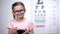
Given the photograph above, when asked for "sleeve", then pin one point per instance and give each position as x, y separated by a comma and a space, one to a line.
10, 25
31, 25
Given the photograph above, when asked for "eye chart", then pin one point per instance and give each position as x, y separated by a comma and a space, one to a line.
45, 14
44, 9
40, 16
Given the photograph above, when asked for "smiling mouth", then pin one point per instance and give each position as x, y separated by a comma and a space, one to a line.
19, 14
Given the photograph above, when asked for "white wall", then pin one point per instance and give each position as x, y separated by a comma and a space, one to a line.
6, 15
59, 16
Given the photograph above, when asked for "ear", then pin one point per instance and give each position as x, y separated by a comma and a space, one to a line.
25, 10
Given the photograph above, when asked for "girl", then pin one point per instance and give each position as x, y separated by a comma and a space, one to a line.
18, 11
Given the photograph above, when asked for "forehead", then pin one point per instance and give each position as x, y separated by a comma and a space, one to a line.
18, 7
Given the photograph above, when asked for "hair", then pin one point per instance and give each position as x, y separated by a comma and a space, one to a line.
15, 4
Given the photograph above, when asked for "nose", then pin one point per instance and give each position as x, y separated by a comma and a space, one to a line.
19, 12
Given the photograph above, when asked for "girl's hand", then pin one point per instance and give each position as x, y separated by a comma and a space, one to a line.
14, 30
26, 32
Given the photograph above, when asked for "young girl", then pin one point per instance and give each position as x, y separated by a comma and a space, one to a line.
19, 22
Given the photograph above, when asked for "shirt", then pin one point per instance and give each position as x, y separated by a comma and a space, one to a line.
25, 24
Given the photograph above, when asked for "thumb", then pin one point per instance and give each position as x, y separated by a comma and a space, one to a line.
15, 28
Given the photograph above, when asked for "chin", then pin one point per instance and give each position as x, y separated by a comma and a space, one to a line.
20, 17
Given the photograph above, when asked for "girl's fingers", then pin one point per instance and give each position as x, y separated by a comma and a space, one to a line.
25, 32
14, 30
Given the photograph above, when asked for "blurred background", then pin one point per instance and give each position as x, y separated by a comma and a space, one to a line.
44, 13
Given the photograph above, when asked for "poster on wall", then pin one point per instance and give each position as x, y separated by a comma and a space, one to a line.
39, 13
44, 11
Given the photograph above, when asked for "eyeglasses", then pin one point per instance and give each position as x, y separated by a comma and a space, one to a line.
22, 10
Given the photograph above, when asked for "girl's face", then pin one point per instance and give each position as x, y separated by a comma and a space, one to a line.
19, 11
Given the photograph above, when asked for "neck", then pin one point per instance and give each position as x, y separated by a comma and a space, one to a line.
19, 19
